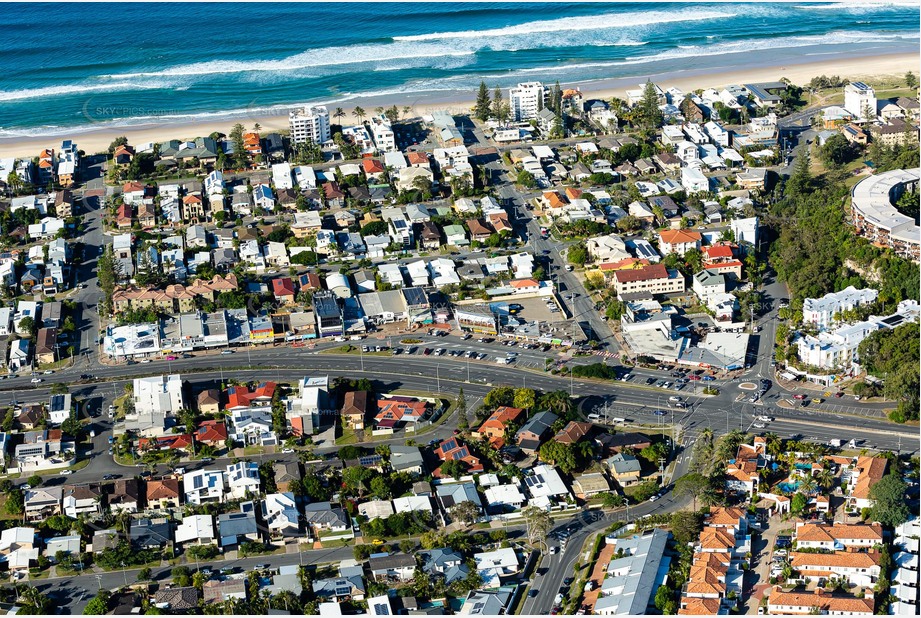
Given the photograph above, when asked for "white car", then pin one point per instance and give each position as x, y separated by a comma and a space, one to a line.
287, 450
36, 380
66, 472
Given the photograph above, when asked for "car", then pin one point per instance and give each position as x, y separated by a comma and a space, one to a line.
36, 380
759, 425
466, 336
223, 352
653, 498
207, 459
66, 472
799, 397
110, 477
145, 361
568, 581
817, 400
227, 570
659, 412
533, 592
554, 549
675, 399
694, 378
263, 566
172, 358
47, 372
708, 378
839, 395
427, 352
761, 610
287, 450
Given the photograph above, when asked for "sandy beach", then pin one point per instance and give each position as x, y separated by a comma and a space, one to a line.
97, 140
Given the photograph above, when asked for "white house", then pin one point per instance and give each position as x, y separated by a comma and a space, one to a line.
204, 486
196, 530
693, 180
493, 565
243, 477
279, 512
281, 176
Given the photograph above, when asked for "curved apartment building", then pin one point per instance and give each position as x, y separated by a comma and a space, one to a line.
876, 219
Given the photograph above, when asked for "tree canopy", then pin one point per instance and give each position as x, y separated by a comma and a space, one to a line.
889, 508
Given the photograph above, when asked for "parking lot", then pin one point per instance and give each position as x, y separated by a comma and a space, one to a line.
536, 309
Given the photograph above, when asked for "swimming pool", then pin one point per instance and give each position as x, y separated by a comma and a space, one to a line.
787, 487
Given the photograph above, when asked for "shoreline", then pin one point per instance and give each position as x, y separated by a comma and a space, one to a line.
96, 140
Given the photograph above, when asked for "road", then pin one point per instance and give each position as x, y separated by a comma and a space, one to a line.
626, 400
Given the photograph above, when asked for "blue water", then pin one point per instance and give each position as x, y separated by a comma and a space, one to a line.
786, 487
72, 65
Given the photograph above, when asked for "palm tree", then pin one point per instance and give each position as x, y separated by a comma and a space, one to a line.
773, 444
807, 485
825, 478
407, 110
339, 113
257, 127
358, 112
379, 111
585, 449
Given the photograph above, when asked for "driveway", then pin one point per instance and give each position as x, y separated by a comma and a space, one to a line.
757, 578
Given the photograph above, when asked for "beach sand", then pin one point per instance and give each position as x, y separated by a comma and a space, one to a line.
93, 141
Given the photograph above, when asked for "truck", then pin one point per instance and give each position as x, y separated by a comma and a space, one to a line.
835, 442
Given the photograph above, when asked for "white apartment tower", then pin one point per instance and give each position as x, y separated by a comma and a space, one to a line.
857, 98
384, 139
310, 124
526, 100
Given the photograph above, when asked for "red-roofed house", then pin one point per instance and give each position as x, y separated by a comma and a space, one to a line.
418, 159
310, 282
573, 193
123, 155
493, 428
678, 241
499, 221
391, 412
239, 397
524, 286
213, 433
714, 254
454, 449
124, 216
173, 442
372, 168
283, 289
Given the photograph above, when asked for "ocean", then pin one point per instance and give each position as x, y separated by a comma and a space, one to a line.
73, 66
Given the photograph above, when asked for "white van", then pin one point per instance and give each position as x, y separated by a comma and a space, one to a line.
594, 417
503, 360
